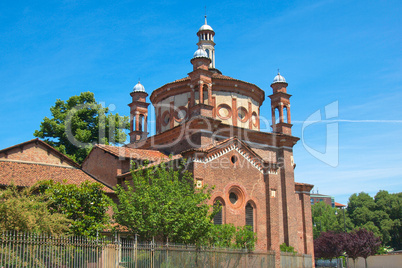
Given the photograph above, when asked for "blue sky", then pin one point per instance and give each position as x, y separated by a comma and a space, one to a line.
347, 52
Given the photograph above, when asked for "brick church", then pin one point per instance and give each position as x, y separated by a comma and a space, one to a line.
213, 121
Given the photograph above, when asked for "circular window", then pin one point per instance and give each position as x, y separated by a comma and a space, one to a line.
242, 114
180, 113
224, 111
233, 198
165, 118
236, 197
233, 159
254, 118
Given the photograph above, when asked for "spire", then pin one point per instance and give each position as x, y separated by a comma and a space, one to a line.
206, 15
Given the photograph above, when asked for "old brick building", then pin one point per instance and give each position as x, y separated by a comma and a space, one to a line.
213, 121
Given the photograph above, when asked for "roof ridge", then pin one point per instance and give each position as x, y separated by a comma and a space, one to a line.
36, 163
37, 140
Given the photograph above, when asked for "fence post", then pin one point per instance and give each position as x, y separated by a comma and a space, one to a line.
152, 252
167, 251
116, 254
135, 250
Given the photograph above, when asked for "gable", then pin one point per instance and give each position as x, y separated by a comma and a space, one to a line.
227, 147
36, 151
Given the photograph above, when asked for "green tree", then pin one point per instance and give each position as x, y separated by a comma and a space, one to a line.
162, 202
78, 123
326, 218
391, 227
382, 215
22, 210
86, 205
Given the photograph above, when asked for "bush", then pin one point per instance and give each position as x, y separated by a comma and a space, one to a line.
285, 248
228, 236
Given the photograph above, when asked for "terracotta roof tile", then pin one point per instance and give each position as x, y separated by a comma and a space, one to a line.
339, 205
158, 162
213, 145
27, 174
126, 152
225, 77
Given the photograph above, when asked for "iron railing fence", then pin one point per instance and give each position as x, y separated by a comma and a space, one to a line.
44, 251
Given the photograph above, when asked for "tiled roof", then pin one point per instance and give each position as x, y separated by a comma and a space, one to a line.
225, 143
157, 162
132, 153
213, 145
177, 81
27, 174
339, 205
225, 77
182, 79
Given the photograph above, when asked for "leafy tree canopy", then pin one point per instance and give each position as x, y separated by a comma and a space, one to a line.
78, 123
329, 245
326, 218
86, 205
24, 211
382, 215
162, 202
361, 243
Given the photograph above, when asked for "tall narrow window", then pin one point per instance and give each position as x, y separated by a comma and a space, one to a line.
277, 119
285, 114
250, 215
141, 123
218, 218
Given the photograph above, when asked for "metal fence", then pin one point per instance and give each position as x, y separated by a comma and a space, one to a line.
31, 250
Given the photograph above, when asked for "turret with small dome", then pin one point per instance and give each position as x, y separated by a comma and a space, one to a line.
280, 106
206, 41
138, 113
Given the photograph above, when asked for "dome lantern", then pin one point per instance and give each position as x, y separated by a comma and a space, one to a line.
138, 87
279, 79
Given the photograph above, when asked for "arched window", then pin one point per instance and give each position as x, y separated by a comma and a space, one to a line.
134, 126
141, 122
276, 115
250, 215
285, 114
218, 218
207, 50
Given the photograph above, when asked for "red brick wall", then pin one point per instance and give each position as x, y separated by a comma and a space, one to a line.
244, 177
102, 166
34, 153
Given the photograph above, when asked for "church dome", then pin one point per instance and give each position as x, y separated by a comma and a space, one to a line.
279, 79
138, 88
200, 53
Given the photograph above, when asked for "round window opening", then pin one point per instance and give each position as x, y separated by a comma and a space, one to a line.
242, 114
233, 159
233, 198
181, 114
166, 119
